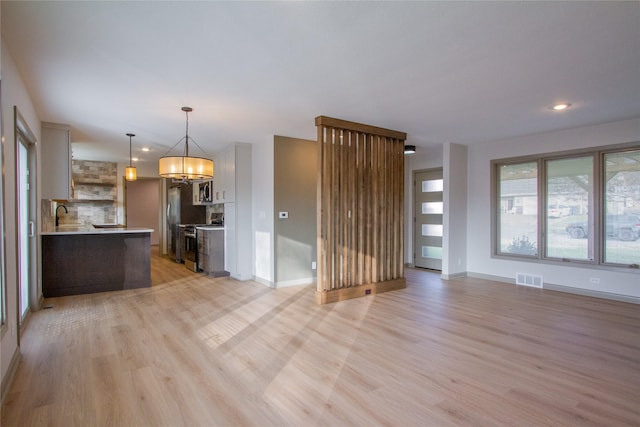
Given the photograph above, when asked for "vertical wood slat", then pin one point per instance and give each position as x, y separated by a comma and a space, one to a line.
376, 202
352, 210
368, 146
344, 195
391, 212
334, 209
320, 230
360, 217
328, 146
360, 206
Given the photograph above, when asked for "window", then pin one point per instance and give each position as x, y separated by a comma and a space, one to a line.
3, 281
579, 207
569, 194
518, 209
622, 207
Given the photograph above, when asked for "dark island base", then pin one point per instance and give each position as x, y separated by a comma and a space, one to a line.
74, 264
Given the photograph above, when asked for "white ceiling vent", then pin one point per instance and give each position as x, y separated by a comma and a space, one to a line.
532, 280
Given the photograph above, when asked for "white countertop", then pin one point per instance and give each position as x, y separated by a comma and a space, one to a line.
210, 227
83, 229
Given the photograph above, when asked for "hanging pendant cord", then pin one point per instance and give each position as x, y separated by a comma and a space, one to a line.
186, 145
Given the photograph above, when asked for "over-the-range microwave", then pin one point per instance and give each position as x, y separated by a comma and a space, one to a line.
205, 191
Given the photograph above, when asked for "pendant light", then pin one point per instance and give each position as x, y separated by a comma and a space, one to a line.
130, 173
185, 168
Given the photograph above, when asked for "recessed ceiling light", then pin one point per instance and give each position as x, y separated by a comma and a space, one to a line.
145, 148
560, 106
135, 159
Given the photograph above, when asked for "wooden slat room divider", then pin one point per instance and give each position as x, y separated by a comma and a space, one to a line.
360, 210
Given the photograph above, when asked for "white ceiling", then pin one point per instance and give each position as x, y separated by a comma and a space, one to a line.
464, 72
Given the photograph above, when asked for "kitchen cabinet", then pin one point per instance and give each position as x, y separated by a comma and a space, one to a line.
217, 188
56, 170
85, 261
231, 168
211, 257
237, 211
229, 174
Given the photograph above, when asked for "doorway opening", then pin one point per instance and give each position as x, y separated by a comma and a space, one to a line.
142, 206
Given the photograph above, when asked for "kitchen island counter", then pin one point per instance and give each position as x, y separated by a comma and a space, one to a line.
81, 229
85, 260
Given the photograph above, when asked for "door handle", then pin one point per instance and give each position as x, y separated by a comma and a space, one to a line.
32, 228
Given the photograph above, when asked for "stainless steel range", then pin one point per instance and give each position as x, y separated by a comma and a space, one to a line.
190, 246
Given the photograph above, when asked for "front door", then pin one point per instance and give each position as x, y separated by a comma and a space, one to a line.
428, 187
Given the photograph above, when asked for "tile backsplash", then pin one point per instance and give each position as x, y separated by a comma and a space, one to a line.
95, 195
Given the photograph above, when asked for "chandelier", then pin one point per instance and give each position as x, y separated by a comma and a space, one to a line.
130, 173
185, 168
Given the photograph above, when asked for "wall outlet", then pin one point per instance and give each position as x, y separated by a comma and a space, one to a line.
283, 215
313, 265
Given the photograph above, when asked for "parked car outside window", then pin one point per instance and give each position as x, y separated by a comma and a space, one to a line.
623, 227
558, 211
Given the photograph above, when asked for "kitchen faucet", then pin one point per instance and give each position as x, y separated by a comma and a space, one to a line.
65, 211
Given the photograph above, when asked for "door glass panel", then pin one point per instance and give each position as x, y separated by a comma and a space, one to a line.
432, 230
432, 185
432, 252
432, 208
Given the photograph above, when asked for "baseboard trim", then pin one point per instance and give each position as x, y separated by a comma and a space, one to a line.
453, 276
563, 288
491, 277
328, 297
265, 282
242, 277
297, 282
590, 293
11, 372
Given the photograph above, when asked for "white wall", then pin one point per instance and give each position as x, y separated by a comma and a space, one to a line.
479, 259
15, 93
454, 221
263, 194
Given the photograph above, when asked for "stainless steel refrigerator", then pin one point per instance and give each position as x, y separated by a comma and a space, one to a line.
180, 210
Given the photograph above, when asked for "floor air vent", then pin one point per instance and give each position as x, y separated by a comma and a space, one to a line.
529, 280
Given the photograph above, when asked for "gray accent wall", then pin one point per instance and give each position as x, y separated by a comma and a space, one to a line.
295, 175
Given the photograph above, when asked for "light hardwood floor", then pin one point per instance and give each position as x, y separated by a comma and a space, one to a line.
198, 351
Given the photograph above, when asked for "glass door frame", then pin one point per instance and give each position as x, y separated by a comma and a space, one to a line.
24, 136
426, 262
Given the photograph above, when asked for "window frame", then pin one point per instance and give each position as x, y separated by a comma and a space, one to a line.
598, 217
3, 277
